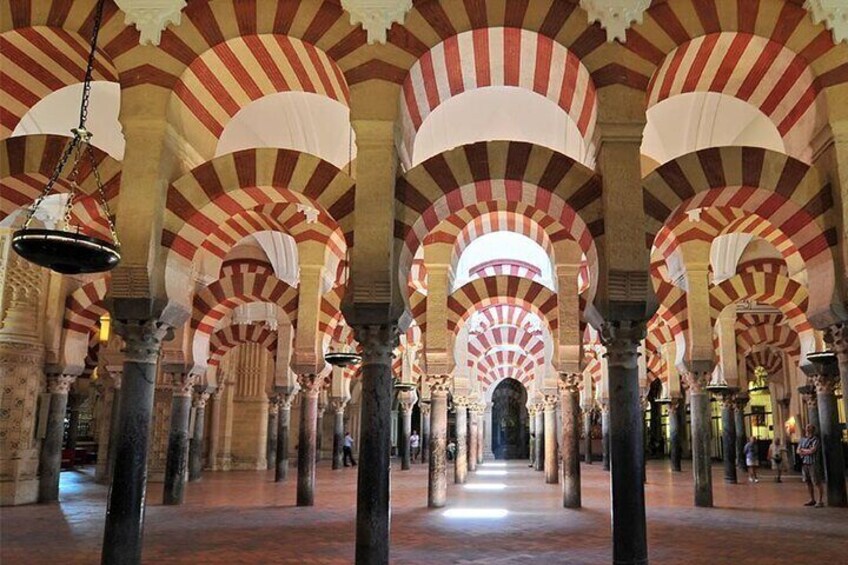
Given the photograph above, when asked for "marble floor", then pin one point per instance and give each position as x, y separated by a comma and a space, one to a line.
505, 514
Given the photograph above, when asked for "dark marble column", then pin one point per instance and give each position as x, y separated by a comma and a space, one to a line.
337, 407
176, 462
122, 538
837, 337
406, 399
310, 388
473, 436
741, 435
629, 533
373, 479
437, 485
587, 432
699, 406
50, 460
271, 436
281, 472
539, 457
460, 461
481, 432
319, 425
728, 436
74, 401
195, 448
569, 388
551, 463
676, 413
424, 409
114, 424
810, 400
531, 415
604, 405
831, 436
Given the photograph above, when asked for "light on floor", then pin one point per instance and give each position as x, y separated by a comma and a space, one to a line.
485, 486
485, 513
491, 472
494, 464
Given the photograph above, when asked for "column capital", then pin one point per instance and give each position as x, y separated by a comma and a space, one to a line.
183, 383
604, 405
461, 401
728, 399
695, 381
570, 382
837, 337
531, 409
337, 405
550, 402
378, 343
200, 399
142, 339
439, 384
622, 339
674, 405
60, 384
286, 399
310, 384
407, 399
741, 400
825, 384
424, 407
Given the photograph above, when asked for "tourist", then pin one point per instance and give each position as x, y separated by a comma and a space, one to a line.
415, 446
348, 450
778, 456
451, 450
808, 449
752, 459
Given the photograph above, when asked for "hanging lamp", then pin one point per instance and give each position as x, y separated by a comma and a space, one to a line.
69, 251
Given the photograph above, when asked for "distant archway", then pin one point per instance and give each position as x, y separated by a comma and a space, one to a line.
510, 422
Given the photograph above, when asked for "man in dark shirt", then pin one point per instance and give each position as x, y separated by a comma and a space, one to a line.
808, 449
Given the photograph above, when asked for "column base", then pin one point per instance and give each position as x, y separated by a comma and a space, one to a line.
22, 487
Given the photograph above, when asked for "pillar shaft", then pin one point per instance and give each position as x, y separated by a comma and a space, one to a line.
728, 437
741, 435
629, 539
281, 472
570, 394
551, 463
473, 438
50, 460
831, 439
373, 478
176, 463
407, 399
461, 458
195, 448
424, 407
438, 479
531, 414
481, 434
271, 438
837, 337
122, 539
338, 406
539, 447
310, 386
699, 406
605, 434
587, 434
676, 410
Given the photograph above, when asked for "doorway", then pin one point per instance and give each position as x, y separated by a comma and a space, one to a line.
510, 422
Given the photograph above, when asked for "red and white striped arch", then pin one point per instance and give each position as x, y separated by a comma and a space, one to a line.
232, 336
84, 307
763, 265
767, 358
491, 378
789, 194
39, 60
234, 73
753, 330
498, 291
531, 343
762, 72
594, 368
497, 56
498, 358
783, 293
566, 192
498, 315
673, 307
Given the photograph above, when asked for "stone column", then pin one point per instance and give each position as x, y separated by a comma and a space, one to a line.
319, 425
604, 406
195, 448
271, 440
810, 400
108, 427
337, 407
676, 412
587, 432
488, 433
218, 401
837, 337
741, 435
699, 406
281, 471
569, 388
50, 462
406, 399
437, 485
473, 437
831, 437
539, 457
481, 432
551, 463
122, 538
629, 539
728, 436
460, 461
531, 414
424, 409
74, 401
310, 389
373, 478
177, 457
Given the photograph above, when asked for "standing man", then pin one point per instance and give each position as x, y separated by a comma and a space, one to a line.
808, 449
348, 450
415, 445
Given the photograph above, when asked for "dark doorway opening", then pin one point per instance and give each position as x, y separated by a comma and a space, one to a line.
510, 422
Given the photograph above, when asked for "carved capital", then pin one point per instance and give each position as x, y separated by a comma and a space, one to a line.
622, 339
60, 384
615, 16
603, 405
695, 381
151, 17
570, 383
439, 384
461, 401
825, 384
285, 400
378, 343
728, 399
183, 383
377, 16
836, 336
407, 400
337, 405
142, 339
310, 385
550, 402
200, 400
674, 405
424, 407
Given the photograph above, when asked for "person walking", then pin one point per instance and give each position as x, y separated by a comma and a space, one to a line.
415, 446
752, 459
808, 449
778, 456
347, 449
